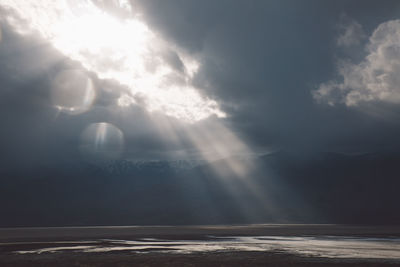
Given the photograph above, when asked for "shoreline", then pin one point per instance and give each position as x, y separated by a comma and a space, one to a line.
191, 232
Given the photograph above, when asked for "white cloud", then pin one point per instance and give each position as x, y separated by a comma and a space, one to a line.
375, 79
351, 32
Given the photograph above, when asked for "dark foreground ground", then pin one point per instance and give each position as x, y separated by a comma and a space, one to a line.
119, 259
23, 239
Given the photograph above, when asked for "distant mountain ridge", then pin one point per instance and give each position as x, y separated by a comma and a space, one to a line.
285, 188
120, 167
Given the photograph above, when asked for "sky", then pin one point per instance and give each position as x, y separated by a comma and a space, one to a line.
196, 80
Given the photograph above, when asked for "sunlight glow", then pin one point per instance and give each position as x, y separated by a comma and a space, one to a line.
119, 48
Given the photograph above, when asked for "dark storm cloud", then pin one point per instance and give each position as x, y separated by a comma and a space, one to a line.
173, 59
259, 59
24, 108
263, 59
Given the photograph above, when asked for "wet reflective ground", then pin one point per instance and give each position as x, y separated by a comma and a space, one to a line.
325, 246
314, 245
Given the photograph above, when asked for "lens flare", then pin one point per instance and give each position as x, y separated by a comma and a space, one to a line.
102, 141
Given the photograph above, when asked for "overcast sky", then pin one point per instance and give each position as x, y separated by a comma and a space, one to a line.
295, 75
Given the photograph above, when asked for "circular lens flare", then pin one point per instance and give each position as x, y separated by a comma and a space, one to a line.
102, 141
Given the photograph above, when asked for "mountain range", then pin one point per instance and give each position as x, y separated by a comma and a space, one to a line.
284, 188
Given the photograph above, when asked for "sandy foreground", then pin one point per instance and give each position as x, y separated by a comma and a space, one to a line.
249, 245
